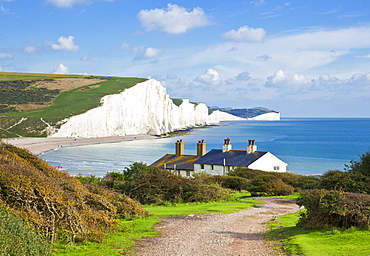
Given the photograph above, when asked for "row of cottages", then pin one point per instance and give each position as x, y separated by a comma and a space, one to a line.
219, 161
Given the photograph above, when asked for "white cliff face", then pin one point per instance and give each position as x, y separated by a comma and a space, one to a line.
217, 116
267, 117
145, 108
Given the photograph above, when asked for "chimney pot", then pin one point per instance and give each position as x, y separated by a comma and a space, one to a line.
179, 148
251, 148
227, 146
201, 148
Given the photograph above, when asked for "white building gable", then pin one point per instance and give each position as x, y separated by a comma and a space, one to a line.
269, 163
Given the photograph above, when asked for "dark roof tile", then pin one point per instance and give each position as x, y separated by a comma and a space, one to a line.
232, 158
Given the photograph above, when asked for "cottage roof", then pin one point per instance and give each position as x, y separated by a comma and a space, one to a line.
183, 162
232, 158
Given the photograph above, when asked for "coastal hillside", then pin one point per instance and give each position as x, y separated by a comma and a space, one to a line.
32, 104
37, 105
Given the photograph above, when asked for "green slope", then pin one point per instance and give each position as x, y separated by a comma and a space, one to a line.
66, 104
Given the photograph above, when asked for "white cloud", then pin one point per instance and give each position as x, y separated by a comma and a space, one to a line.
65, 44
29, 49
61, 69
66, 3
210, 77
147, 53
245, 34
5, 55
173, 20
360, 79
69, 3
288, 82
301, 52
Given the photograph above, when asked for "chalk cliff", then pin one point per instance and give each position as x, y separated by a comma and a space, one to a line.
272, 116
145, 108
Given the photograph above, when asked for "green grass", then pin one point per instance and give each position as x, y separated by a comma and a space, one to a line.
120, 242
12, 76
66, 104
296, 241
79, 100
242, 201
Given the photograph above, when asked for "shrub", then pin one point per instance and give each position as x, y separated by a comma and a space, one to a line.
297, 181
20, 238
360, 167
58, 205
345, 181
334, 209
263, 183
269, 185
230, 182
154, 185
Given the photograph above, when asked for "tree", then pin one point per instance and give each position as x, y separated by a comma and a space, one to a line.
360, 167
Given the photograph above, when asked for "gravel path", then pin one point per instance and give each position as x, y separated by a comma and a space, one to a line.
240, 233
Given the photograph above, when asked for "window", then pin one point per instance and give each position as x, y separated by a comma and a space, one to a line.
276, 168
187, 173
178, 172
212, 167
202, 166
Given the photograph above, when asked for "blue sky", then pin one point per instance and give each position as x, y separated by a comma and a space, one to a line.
302, 58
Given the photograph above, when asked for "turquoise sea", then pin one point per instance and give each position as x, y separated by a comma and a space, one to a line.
308, 145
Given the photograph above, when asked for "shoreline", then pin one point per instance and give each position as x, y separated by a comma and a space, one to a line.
39, 146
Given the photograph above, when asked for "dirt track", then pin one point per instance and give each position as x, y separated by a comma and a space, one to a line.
240, 233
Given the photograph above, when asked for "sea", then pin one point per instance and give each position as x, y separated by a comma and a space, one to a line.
309, 145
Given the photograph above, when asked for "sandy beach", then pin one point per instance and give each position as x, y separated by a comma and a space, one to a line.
41, 145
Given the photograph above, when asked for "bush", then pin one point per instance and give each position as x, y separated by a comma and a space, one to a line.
230, 182
344, 181
299, 182
263, 183
154, 185
20, 238
360, 167
57, 204
334, 209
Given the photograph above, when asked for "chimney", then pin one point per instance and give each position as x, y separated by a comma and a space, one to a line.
179, 148
251, 148
201, 148
227, 146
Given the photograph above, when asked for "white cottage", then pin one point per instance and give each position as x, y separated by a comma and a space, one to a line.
220, 162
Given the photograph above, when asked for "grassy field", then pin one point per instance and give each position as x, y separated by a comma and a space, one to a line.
115, 244
67, 103
295, 241
10, 76
79, 100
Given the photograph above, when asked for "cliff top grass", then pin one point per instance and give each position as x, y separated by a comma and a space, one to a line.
73, 96
28, 100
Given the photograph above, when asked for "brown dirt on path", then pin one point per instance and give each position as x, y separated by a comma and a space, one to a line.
240, 233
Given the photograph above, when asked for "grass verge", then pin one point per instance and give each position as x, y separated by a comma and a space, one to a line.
296, 241
79, 100
117, 243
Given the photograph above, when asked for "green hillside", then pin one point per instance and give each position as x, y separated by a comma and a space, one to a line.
29, 101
